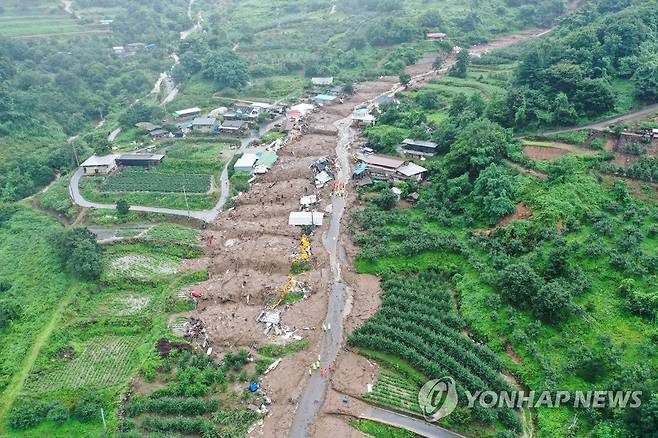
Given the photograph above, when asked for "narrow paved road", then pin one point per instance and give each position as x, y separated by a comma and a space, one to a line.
203, 215
602, 124
418, 427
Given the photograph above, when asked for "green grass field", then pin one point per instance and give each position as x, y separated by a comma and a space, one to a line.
99, 341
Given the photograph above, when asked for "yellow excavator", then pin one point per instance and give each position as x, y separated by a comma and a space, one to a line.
304, 256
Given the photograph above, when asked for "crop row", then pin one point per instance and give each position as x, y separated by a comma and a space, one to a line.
183, 425
140, 181
417, 323
171, 405
104, 363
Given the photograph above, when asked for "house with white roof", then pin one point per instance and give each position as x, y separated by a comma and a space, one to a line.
96, 165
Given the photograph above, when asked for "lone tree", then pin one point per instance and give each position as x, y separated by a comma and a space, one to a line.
122, 207
461, 65
405, 78
386, 200
99, 143
79, 252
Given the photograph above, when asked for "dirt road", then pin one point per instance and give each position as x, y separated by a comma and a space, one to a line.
197, 26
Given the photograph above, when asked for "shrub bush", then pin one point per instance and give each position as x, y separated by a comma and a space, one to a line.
88, 407
27, 413
58, 413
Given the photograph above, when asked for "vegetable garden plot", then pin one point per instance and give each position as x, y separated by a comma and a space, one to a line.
141, 267
133, 181
393, 390
124, 304
102, 362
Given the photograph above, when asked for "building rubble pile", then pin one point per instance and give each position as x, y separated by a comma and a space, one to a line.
196, 332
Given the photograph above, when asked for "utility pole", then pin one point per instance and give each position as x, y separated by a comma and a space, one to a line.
186, 203
75, 153
104, 423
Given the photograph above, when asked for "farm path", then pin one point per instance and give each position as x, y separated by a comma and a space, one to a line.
16, 384
602, 124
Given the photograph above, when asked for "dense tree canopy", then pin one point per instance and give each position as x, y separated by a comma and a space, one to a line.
493, 191
480, 144
79, 252
226, 68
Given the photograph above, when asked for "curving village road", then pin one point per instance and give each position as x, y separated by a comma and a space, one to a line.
202, 215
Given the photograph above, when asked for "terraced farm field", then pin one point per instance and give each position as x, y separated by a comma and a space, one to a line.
103, 362
19, 19
395, 391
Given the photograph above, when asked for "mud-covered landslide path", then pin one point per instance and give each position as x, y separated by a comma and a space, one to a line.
314, 394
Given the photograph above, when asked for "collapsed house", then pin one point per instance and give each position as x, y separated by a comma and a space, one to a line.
323, 172
307, 201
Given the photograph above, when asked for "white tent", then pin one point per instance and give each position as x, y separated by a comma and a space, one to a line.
305, 201
300, 218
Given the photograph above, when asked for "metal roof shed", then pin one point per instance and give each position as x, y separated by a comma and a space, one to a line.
95, 160
382, 161
267, 159
411, 169
325, 98
245, 163
188, 112
302, 218
204, 121
412, 142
